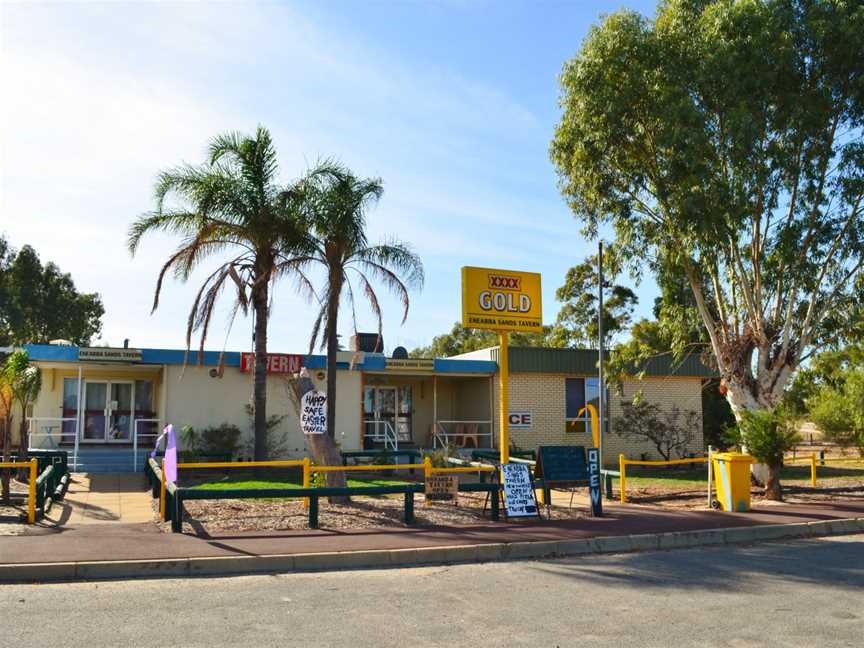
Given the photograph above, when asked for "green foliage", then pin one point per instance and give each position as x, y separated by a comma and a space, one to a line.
576, 324
717, 416
721, 143
826, 369
232, 207
189, 444
671, 431
220, 440
767, 435
40, 303
463, 340
276, 444
440, 457
839, 410
333, 204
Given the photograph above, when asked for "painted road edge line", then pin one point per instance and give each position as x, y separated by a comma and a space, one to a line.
415, 557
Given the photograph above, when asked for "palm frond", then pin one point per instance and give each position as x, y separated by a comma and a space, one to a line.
373, 299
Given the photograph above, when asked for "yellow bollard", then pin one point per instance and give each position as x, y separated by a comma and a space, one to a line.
31, 498
162, 493
622, 480
813, 470
306, 480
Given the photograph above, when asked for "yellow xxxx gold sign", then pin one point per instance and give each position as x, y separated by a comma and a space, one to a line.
501, 300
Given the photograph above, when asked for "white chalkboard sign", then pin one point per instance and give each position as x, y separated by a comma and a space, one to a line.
519, 500
313, 412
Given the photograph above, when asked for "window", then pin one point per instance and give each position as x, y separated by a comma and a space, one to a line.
70, 405
578, 392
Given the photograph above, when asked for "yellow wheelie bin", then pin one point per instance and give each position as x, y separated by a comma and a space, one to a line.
732, 479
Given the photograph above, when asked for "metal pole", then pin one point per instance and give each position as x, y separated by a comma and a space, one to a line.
710, 474
601, 410
79, 414
504, 396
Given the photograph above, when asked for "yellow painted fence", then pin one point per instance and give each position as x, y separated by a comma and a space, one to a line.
31, 492
623, 462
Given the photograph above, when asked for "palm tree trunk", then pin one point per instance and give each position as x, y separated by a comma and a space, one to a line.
5, 475
259, 302
332, 347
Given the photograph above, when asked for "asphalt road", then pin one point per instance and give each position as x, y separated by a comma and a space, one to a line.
797, 593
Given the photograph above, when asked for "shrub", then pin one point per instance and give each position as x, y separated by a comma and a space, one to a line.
767, 435
222, 440
646, 421
839, 411
276, 441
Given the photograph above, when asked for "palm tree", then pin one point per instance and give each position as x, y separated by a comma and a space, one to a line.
230, 207
336, 203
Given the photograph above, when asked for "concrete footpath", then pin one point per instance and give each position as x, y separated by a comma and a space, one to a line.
138, 550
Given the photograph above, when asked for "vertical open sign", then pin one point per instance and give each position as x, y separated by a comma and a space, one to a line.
594, 482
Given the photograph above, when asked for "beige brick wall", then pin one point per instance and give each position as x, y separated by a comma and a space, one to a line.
543, 395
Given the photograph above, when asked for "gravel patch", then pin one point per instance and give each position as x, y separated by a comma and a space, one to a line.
207, 516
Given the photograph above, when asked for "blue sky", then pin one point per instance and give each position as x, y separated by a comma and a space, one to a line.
452, 103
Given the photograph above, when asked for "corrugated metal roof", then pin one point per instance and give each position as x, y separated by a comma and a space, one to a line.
584, 361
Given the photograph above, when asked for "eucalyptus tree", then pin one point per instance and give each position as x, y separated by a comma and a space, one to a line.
722, 140
335, 205
231, 210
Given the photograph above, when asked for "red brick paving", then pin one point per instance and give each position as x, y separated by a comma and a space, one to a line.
145, 542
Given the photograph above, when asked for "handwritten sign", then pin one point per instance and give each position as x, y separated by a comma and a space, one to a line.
313, 412
594, 482
518, 491
442, 487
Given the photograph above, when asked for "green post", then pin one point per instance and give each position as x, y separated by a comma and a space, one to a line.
608, 482
821, 457
313, 511
496, 509
176, 511
409, 507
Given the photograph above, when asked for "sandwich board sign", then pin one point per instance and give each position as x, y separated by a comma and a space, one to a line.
313, 412
519, 500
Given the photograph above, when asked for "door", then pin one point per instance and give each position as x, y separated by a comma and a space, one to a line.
120, 412
95, 411
385, 413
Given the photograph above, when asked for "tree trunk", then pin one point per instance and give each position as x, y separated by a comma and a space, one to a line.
259, 300
773, 490
324, 450
6, 475
23, 445
332, 348
749, 394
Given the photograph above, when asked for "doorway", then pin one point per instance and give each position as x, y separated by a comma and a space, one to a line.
387, 412
107, 415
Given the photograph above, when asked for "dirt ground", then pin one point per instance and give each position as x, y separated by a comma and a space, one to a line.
207, 516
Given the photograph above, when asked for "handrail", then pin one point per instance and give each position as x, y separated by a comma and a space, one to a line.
390, 437
135, 436
50, 435
440, 434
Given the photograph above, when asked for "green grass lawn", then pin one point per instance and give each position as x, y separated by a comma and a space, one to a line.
227, 484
